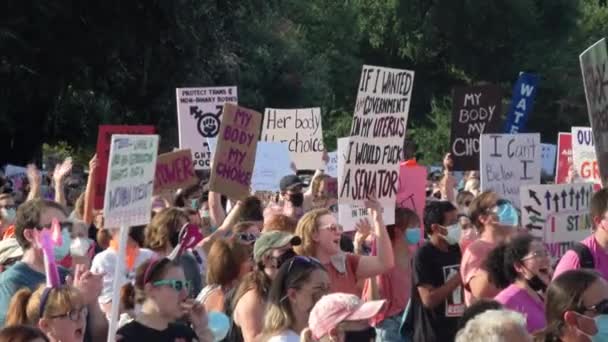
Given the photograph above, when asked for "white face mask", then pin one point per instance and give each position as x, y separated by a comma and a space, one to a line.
453, 236
80, 246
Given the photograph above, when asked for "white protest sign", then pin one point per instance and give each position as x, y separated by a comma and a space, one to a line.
548, 155
199, 111
301, 130
350, 214
558, 214
331, 168
128, 198
376, 137
130, 181
509, 161
584, 159
272, 162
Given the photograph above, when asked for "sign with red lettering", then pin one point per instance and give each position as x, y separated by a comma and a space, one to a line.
234, 156
558, 214
564, 157
301, 130
583, 156
104, 140
476, 110
174, 170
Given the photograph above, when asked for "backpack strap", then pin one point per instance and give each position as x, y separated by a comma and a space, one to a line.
584, 255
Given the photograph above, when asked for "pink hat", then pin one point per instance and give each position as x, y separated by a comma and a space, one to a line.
335, 308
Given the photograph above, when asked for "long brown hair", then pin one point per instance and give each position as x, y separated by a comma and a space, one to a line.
306, 228
21, 333
24, 307
159, 230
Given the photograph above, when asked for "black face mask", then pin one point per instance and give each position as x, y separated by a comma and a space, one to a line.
285, 256
296, 199
536, 284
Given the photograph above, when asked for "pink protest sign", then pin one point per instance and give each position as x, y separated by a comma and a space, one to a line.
412, 187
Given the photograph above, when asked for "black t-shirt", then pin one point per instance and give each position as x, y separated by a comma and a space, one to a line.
433, 267
135, 331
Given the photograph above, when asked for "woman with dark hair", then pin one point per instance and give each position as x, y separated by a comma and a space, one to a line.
526, 272
22, 333
299, 284
576, 308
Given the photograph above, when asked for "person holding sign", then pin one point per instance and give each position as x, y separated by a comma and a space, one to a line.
593, 251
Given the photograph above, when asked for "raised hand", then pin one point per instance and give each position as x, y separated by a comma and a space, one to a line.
62, 170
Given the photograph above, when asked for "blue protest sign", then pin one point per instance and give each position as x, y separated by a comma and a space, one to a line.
522, 103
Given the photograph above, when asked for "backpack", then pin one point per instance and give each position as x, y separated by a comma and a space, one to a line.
584, 255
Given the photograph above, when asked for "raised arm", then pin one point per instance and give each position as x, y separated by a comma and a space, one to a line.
61, 171
370, 266
33, 176
89, 194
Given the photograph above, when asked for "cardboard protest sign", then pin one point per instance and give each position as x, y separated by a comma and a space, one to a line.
16, 174
509, 161
594, 66
377, 133
104, 139
412, 190
331, 168
564, 157
584, 158
174, 170
130, 180
476, 110
548, 154
235, 152
272, 162
522, 103
558, 214
350, 214
199, 111
301, 130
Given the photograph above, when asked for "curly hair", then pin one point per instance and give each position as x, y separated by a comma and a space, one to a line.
306, 228
158, 231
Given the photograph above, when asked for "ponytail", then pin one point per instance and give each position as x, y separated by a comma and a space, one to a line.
17, 309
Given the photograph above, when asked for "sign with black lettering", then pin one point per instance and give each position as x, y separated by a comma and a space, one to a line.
301, 130
509, 161
376, 137
198, 115
558, 214
594, 65
476, 110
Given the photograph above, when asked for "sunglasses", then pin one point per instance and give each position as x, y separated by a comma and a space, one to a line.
64, 225
7, 207
177, 285
247, 238
334, 228
599, 308
74, 315
536, 254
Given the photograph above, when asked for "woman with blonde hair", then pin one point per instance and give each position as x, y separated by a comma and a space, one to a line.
299, 284
59, 312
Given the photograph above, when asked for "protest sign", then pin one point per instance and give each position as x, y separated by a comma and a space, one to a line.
350, 214
16, 174
376, 137
476, 110
522, 103
548, 154
564, 157
584, 158
174, 171
412, 190
301, 130
104, 139
558, 214
272, 162
594, 66
509, 161
199, 111
130, 180
235, 152
331, 168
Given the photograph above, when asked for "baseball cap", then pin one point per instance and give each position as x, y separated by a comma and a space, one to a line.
9, 249
335, 308
289, 182
272, 240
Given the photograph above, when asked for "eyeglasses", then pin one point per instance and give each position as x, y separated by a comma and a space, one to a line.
8, 207
175, 284
536, 254
599, 308
247, 238
74, 315
334, 228
69, 225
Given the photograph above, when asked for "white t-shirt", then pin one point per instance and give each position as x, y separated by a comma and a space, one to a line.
287, 336
105, 262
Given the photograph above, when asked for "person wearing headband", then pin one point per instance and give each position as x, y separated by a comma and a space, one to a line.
161, 289
495, 219
59, 312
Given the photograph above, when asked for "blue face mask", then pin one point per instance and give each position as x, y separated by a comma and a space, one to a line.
412, 236
219, 324
507, 214
601, 321
63, 250
194, 204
